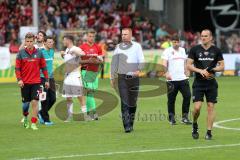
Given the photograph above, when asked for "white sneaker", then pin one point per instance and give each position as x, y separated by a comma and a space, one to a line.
34, 126
22, 120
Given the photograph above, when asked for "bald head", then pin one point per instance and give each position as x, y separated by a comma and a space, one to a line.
126, 34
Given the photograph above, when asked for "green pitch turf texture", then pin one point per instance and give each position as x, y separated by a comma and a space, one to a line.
104, 139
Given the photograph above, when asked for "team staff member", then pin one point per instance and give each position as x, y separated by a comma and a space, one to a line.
126, 64
207, 60
48, 54
90, 71
174, 59
29, 61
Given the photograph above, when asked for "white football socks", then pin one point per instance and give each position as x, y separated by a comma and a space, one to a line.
70, 109
84, 109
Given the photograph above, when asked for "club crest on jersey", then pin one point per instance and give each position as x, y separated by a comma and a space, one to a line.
206, 53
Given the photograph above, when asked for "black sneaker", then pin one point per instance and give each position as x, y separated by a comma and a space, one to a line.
95, 117
172, 121
208, 136
128, 130
195, 133
186, 121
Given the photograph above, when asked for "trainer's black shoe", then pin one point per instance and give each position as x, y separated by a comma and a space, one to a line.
172, 121
186, 121
195, 133
208, 136
128, 130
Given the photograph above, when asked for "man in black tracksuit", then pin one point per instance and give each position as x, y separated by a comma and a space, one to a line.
207, 60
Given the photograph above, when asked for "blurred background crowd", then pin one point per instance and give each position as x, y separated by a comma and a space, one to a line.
107, 17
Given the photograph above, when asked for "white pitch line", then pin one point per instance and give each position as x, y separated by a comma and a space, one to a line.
136, 151
217, 124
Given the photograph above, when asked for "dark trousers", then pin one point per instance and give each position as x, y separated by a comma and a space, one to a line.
50, 99
102, 68
173, 88
128, 89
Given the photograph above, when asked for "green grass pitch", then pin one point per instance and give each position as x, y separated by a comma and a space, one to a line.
105, 139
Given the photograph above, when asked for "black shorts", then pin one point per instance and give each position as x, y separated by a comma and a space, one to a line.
209, 88
30, 92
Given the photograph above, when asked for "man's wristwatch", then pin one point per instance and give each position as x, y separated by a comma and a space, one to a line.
210, 70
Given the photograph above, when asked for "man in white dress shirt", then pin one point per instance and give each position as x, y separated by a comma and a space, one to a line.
126, 65
174, 59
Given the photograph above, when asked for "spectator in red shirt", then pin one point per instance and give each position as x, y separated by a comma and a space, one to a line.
91, 18
126, 20
28, 11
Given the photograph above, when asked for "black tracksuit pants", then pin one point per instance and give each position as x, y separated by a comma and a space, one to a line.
50, 99
173, 88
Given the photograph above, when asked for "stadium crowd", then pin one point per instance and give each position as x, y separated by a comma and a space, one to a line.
107, 17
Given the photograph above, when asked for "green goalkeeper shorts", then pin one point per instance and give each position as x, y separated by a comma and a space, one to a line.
90, 79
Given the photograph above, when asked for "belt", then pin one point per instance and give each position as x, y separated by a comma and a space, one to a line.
127, 76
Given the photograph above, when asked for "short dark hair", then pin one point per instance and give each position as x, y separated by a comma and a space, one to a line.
70, 37
43, 33
211, 34
48, 37
29, 35
175, 38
